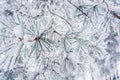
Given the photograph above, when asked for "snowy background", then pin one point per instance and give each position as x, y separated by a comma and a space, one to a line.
59, 39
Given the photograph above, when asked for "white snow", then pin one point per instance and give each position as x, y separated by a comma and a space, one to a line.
18, 31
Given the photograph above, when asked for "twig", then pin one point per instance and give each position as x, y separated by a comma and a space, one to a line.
78, 8
115, 15
61, 18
